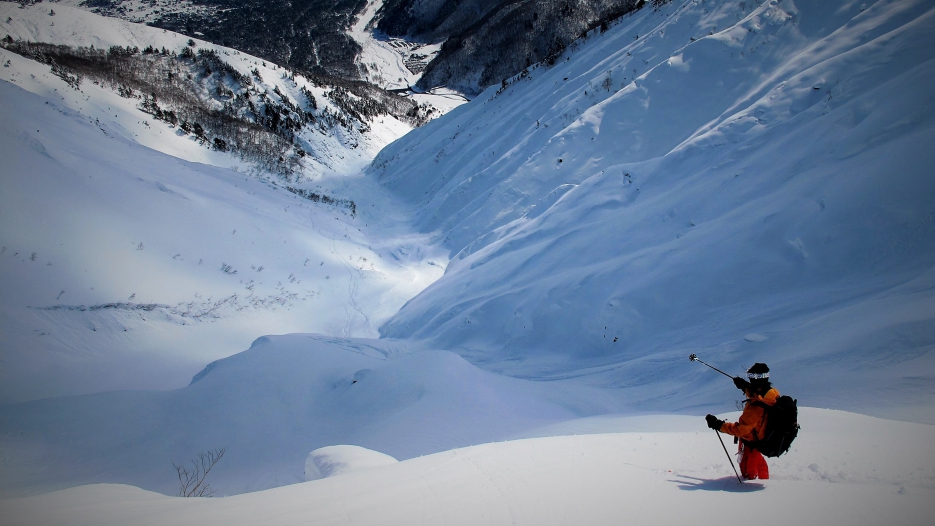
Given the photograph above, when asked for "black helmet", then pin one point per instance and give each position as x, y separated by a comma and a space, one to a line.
759, 371
759, 378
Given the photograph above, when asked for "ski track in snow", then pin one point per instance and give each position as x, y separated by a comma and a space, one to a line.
353, 285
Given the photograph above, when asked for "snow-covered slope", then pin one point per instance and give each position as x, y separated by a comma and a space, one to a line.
272, 405
132, 255
331, 461
126, 268
748, 180
849, 469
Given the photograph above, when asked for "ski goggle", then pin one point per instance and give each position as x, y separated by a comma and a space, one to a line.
757, 376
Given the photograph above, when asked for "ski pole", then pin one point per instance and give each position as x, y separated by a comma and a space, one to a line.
694, 358
740, 480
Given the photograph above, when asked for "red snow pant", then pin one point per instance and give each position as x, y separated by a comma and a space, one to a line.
752, 463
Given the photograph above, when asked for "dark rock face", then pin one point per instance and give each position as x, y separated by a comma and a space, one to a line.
491, 40
309, 35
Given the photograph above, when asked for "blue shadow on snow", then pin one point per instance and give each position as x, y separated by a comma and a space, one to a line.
722, 484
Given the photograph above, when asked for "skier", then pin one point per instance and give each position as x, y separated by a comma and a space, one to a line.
752, 424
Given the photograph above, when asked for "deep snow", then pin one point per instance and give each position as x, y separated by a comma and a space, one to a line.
273, 404
846, 469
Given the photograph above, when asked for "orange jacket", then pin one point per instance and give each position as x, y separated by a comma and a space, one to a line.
752, 424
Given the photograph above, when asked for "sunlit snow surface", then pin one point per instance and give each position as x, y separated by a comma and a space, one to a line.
131, 255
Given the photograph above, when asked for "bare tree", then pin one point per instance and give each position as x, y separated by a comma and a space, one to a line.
192, 480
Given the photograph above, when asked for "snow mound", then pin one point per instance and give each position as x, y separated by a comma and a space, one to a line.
331, 461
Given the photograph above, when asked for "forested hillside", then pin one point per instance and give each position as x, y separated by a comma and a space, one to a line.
485, 41
489, 41
308, 35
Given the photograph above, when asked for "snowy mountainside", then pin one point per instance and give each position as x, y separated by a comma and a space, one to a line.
309, 35
140, 11
392, 63
338, 138
132, 254
735, 179
127, 268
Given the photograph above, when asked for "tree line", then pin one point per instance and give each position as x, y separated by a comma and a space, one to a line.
202, 95
171, 88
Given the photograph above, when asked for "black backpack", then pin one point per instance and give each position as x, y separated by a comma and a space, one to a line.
782, 427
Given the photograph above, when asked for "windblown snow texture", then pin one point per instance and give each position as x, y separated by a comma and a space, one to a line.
697, 174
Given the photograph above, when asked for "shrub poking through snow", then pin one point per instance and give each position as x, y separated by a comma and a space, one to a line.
192, 479
322, 198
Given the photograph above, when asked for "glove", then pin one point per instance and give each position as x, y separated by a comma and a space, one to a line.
714, 423
741, 383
